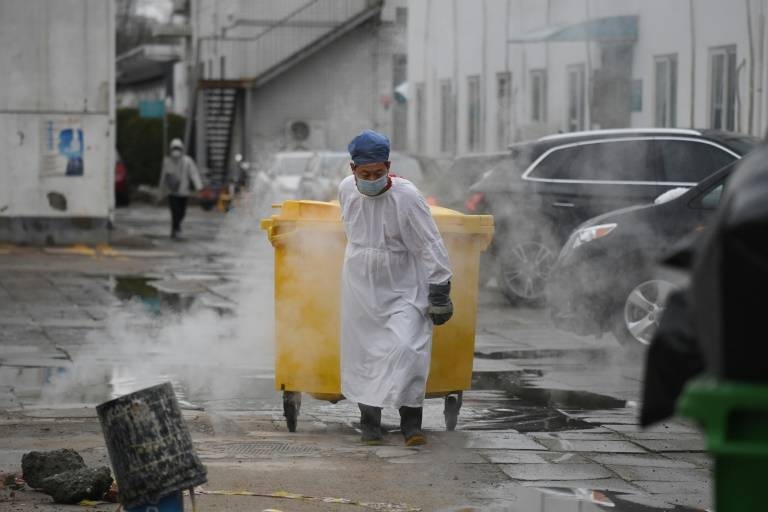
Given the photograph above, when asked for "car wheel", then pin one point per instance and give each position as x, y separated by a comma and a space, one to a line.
523, 270
637, 318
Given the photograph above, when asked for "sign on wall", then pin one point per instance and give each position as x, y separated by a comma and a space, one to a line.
63, 147
152, 109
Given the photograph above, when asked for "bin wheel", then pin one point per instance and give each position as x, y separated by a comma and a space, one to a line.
291, 406
451, 411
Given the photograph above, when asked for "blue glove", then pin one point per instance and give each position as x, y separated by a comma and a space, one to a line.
440, 306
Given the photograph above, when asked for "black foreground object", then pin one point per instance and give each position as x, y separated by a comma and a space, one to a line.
673, 358
730, 276
149, 446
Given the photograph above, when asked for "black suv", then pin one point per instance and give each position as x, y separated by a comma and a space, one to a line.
550, 186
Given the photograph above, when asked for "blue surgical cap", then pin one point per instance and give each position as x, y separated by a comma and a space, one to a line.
369, 147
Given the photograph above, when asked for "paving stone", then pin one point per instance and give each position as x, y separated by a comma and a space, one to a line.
652, 461
72, 312
23, 335
85, 322
388, 452
701, 460
633, 473
551, 472
672, 445
662, 502
654, 487
603, 484
512, 457
663, 427
693, 501
564, 458
502, 441
579, 436
663, 435
457, 457
610, 420
575, 434
576, 445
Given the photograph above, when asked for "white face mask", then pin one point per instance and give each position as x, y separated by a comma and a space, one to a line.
176, 153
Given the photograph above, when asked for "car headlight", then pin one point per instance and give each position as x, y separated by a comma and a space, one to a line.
591, 233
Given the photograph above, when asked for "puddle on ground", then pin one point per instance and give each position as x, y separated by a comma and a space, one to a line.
138, 288
177, 294
510, 402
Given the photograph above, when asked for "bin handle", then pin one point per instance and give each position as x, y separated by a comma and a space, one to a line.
711, 402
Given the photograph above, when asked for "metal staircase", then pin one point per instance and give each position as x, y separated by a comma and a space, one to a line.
219, 104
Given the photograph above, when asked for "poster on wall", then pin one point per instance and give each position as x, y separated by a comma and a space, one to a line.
63, 147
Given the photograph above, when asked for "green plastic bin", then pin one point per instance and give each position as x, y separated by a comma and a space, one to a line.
734, 416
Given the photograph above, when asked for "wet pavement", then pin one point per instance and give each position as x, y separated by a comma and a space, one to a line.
550, 424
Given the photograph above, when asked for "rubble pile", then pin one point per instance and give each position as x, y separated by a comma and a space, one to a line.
63, 475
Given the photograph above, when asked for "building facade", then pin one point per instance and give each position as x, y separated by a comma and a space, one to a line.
486, 73
57, 134
270, 76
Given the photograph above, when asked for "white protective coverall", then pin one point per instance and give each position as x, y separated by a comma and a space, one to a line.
394, 252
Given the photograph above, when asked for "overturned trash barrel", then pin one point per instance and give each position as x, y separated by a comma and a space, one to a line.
149, 446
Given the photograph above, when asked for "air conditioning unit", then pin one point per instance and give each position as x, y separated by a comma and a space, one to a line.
305, 135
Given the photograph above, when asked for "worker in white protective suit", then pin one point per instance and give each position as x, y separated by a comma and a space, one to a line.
395, 287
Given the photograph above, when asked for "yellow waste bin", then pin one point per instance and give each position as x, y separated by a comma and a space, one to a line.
309, 242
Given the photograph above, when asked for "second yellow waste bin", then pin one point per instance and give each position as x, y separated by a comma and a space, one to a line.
309, 242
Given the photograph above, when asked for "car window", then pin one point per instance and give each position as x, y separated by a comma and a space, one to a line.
601, 161
691, 161
711, 199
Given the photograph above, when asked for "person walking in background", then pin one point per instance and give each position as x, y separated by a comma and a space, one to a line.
177, 179
396, 284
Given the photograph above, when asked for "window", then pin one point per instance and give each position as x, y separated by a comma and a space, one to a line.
401, 16
666, 91
504, 109
601, 161
691, 161
447, 117
474, 115
400, 106
576, 97
539, 95
420, 101
711, 200
722, 110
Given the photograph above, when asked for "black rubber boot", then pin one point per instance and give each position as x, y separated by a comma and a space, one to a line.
410, 424
370, 424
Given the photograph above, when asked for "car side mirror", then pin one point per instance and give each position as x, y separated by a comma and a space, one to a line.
671, 194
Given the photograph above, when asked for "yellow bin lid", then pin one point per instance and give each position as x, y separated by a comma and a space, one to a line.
305, 211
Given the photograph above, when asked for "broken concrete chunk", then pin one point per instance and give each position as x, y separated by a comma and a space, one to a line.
82, 484
37, 466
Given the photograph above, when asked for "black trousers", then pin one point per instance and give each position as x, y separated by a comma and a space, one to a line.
178, 206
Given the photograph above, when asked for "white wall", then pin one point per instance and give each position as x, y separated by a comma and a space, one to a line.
58, 62
716, 23
339, 88
454, 39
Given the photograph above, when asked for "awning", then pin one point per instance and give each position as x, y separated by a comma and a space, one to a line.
146, 63
602, 30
